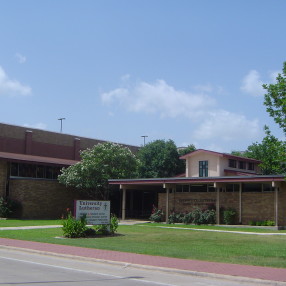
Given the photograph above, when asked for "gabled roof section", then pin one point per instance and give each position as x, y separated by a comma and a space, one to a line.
23, 158
229, 156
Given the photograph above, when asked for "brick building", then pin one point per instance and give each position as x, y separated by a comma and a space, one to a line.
211, 178
30, 161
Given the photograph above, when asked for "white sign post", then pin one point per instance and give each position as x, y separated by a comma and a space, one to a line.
96, 212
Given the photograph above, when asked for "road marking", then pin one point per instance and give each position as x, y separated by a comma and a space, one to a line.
86, 271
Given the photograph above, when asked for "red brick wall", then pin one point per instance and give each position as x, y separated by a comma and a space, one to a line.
13, 139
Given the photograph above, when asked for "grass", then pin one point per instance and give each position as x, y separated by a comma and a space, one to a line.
15, 222
180, 243
216, 227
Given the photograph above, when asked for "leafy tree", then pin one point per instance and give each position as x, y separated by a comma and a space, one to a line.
100, 163
275, 99
182, 152
159, 159
188, 149
272, 153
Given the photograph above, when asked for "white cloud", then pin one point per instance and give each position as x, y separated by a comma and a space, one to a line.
38, 125
209, 126
12, 87
20, 58
273, 75
161, 98
227, 126
252, 84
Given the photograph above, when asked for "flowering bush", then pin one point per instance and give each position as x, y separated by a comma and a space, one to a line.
156, 215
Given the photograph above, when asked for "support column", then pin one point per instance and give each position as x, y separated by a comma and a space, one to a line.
167, 204
123, 204
240, 203
216, 186
276, 213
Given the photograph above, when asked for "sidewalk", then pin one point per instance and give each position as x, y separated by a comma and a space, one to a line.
195, 267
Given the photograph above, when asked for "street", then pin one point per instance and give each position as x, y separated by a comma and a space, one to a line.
27, 268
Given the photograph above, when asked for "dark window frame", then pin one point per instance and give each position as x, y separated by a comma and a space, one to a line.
203, 168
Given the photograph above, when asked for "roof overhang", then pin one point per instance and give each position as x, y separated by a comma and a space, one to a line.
24, 158
199, 180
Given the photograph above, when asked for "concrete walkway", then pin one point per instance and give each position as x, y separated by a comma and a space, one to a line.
194, 267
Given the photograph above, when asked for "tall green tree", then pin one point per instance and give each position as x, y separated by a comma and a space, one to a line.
271, 151
183, 151
98, 164
159, 159
275, 99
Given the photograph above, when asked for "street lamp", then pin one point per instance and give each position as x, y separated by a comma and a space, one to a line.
61, 119
144, 136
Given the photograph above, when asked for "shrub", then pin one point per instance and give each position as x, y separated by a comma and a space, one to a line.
7, 206
209, 217
188, 218
270, 223
113, 224
73, 228
102, 229
229, 216
175, 218
197, 217
156, 215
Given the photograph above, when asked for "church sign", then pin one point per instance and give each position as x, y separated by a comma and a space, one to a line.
96, 212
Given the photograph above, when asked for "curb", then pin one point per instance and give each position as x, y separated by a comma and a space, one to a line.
153, 268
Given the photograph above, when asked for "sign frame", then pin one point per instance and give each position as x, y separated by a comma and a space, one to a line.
97, 212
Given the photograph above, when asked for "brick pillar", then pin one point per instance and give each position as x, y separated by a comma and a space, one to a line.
28, 142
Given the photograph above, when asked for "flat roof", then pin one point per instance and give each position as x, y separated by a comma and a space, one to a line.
24, 158
197, 180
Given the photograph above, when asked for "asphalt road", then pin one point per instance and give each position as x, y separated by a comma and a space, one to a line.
26, 268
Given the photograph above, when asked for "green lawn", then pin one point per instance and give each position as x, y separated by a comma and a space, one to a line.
16, 222
216, 227
188, 244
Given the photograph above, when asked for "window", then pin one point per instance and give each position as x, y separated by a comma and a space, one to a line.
203, 168
252, 187
251, 166
199, 188
232, 163
34, 171
232, 188
242, 165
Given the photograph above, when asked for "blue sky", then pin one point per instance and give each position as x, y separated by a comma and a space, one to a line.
190, 71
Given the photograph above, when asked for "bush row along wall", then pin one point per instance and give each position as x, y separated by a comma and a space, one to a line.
255, 206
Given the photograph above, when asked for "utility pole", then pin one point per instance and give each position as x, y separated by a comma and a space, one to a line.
144, 136
61, 119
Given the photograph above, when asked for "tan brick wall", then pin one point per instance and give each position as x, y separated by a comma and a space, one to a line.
42, 199
3, 177
255, 206
186, 202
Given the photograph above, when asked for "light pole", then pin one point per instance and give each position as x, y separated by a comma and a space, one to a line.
61, 119
144, 136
